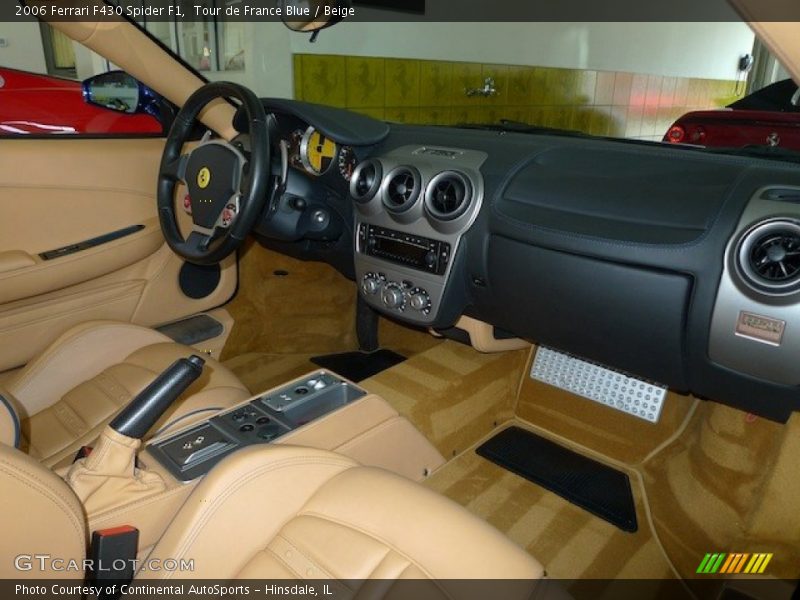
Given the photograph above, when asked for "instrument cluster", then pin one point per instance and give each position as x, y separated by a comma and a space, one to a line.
315, 154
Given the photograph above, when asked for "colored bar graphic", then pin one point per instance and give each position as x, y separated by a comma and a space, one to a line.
733, 563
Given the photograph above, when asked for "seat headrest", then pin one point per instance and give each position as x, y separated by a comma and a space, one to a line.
9, 422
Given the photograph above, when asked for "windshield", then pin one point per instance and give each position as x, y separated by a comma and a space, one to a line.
699, 84
694, 84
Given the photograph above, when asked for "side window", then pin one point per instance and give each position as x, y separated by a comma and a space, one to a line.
51, 85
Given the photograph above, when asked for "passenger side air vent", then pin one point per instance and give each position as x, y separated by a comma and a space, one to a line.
768, 256
402, 189
449, 195
366, 181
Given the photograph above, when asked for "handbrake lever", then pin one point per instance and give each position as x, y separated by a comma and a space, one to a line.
139, 416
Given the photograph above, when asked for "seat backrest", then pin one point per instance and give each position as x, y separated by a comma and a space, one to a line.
41, 519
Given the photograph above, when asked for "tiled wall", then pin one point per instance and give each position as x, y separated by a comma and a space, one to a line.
432, 92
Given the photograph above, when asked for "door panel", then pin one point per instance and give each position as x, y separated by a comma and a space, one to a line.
57, 194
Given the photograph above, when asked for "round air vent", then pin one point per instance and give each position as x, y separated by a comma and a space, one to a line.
449, 195
366, 180
768, 256
402, 188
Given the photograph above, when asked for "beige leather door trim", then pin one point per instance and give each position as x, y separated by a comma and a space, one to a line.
44, 276
26, 327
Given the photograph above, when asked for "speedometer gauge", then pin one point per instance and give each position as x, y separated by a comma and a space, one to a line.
317, 152
347, 162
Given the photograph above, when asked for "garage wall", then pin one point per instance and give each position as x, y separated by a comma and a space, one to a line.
693, 50
24, 47
615, 103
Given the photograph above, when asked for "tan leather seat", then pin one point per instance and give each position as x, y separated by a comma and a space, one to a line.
283, 512
65, 396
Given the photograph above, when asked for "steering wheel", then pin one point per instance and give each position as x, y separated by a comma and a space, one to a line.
227, 190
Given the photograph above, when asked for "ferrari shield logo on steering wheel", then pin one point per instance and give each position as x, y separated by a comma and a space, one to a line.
204, 178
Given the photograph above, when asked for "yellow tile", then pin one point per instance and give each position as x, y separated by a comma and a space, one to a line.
402, 114
464, 115
519, 114
600, 120
586, 83
402, 82
582, 119
499, 73
323, 78
561, 86
536, 116
520, 86
436, 83
365, 81
539, 94
466, 76
435, 115
297, 76
375, 113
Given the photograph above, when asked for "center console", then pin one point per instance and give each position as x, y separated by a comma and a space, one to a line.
320, 410
413, 206
192, 453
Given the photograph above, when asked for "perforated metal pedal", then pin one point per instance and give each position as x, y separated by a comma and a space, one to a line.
613, 389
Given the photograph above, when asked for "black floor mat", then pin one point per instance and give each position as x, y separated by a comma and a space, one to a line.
357, 366
601, 490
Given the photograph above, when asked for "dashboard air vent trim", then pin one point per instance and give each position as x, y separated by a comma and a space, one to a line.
448, 196
401, 189
366, 180
768, 256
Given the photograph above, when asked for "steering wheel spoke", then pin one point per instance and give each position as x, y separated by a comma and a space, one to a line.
176, 169
199, 239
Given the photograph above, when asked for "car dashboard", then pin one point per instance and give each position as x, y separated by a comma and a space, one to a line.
657, 261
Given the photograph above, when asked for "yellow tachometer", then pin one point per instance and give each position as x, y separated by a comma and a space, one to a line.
317, 152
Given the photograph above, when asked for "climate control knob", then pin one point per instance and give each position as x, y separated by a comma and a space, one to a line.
419, 300
393, 296
371, 284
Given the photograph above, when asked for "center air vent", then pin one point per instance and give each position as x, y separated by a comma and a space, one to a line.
768, 256
402, 189
448, 196
366, 180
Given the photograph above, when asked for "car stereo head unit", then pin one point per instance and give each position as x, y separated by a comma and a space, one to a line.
405, 249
